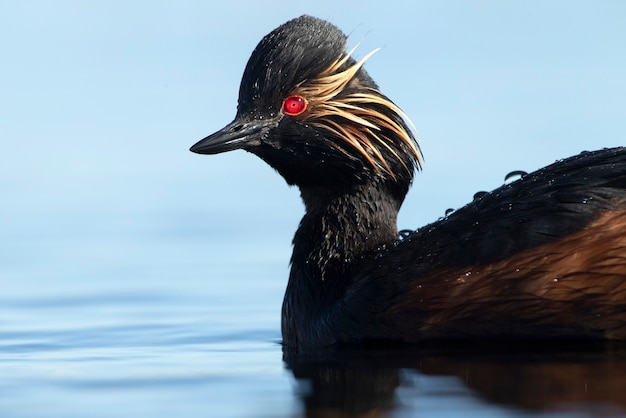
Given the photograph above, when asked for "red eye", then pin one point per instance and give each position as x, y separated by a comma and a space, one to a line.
294, 105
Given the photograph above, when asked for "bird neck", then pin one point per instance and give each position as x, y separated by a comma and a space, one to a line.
338, 229
340, 225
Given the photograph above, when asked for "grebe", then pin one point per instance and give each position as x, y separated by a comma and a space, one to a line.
543, 257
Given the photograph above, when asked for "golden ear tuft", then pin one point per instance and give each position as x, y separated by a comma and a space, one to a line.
365, 119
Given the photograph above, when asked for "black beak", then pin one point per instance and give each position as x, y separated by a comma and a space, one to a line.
233, 136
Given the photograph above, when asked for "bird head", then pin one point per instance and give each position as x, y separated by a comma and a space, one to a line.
311, 111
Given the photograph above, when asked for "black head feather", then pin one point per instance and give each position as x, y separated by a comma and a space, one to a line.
295, 51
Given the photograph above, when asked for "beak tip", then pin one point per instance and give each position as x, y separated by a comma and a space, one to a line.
236, 135
196, 148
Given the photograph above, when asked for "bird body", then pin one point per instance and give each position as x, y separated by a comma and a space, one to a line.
543, 257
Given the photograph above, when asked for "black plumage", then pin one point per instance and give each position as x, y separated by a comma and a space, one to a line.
542, 257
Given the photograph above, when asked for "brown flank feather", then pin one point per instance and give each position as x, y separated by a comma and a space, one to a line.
573, 286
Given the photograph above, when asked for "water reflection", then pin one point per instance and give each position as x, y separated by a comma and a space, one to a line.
574, 376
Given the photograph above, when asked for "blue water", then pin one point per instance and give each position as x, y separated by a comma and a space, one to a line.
159, 295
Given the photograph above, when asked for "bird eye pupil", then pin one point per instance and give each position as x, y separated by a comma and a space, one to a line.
294, 105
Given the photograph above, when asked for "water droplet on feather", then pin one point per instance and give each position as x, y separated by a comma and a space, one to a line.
479, 195
516, 173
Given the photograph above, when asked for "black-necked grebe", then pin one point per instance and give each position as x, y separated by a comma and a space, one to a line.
543, 257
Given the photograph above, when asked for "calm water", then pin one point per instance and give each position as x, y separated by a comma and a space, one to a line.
152, 296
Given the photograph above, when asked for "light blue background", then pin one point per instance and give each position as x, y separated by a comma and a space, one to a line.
100, 100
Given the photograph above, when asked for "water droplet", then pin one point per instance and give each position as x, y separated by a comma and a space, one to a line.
516, 173
505, 207
479, 195
555, 280
449, 211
